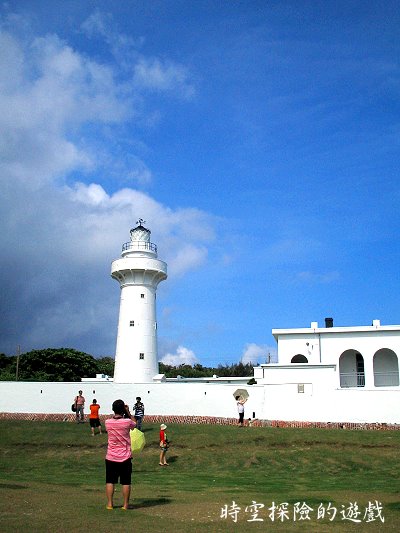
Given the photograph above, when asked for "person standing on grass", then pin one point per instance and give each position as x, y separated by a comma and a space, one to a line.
139, 412
119, 454
164, 445
240, 406
94, 419
80, 405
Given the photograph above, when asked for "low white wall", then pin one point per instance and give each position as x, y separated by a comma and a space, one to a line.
196, 399
266, 402
284, 402
321, 376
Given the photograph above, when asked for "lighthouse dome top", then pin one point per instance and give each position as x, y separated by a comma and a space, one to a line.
140, 233
140, 242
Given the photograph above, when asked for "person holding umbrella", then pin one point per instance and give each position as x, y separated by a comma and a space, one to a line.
240, 401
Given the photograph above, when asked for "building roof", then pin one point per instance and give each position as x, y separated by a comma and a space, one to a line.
376, 326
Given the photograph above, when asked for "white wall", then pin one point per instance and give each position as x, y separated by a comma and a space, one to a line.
323, 400
322, 377
159, 398
283, 401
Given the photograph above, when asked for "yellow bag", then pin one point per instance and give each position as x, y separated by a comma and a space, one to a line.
138, 440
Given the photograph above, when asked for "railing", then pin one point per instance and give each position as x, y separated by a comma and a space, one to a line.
386, 379
352, 379
357, 379
139, 245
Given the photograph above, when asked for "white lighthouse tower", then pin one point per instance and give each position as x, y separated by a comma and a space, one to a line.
139, 272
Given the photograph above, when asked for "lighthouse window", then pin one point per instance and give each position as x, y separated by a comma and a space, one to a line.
132, 323
141, 356
142, 295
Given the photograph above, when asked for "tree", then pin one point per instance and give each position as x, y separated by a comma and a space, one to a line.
105, 365
199, 371
67, 364
56, 364
7, 367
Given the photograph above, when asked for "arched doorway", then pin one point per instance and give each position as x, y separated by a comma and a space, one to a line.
386, 368
299, 358
351, 369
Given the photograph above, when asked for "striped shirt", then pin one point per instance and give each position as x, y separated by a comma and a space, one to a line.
139, 409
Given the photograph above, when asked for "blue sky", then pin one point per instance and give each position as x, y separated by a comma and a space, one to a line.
258, 140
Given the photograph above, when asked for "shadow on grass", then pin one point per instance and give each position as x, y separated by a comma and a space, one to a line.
170, 460
149, 502
12, 486
393, 505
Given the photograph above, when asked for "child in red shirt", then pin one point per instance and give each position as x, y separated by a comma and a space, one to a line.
164, 445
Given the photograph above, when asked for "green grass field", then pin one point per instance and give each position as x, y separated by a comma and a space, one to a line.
52, 480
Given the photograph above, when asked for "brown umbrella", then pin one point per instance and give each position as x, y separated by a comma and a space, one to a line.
242, 393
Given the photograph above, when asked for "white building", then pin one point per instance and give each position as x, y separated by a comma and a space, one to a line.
364, 356
334, 374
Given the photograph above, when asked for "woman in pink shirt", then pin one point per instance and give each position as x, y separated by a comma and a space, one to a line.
119, 453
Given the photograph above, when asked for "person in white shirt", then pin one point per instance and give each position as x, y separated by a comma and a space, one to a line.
240, 405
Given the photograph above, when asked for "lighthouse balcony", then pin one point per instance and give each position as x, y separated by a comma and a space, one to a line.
131, 246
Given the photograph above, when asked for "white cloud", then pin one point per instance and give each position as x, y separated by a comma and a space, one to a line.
58, 232
187, 257
255, 353
92, 194
183, 356
58, 91
73, 87
163, 76
98, 24
148, 73
123, 47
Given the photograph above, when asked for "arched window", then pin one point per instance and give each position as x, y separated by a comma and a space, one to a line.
386, 368
299, 358
351, 369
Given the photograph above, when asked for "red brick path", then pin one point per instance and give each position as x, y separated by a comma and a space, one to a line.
70, 417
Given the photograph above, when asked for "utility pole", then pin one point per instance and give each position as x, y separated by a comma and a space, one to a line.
18, 354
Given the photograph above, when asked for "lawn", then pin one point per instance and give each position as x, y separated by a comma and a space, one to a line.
52, 480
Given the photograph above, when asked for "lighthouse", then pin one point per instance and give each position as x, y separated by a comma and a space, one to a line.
138, 272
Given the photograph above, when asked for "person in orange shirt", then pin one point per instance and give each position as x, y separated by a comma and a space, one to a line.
94, 419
